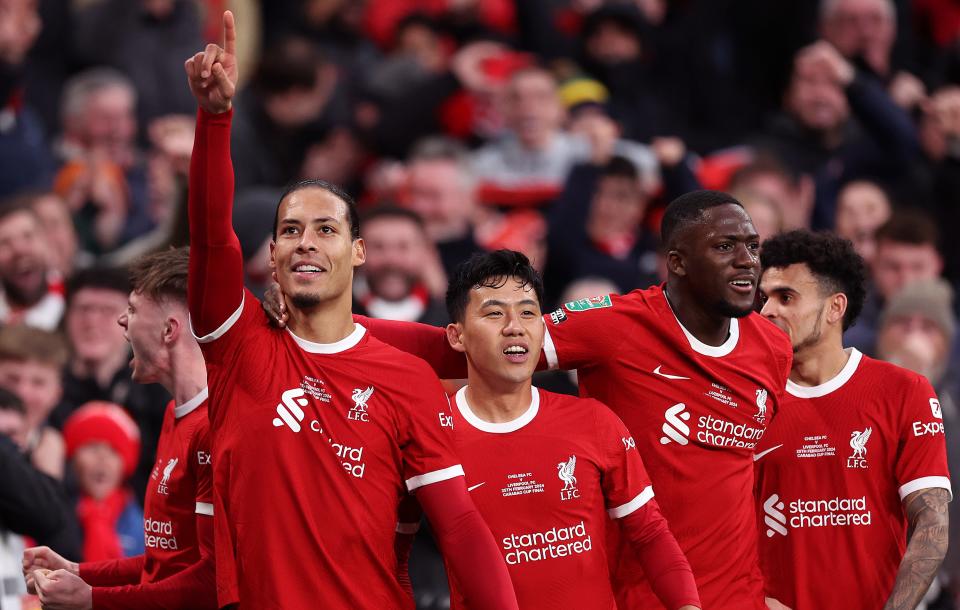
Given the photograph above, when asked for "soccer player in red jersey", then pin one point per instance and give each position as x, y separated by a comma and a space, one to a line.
547, 471
694, 374
177, 569
321, 427
857, 457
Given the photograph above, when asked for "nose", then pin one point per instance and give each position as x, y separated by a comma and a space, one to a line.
308, 242
745, 258
122, 320
512, 326
769, 309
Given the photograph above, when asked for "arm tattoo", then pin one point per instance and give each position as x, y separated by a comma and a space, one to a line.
926, 546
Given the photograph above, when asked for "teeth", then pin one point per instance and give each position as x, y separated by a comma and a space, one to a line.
515, 349
307, 268
742, 282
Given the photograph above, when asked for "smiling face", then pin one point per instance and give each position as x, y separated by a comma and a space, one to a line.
718, 257
313, 253
99, 469
501, 332
23, 271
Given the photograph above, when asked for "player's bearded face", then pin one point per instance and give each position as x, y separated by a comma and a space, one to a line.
502, 332
793, 301
313, 254
722, 260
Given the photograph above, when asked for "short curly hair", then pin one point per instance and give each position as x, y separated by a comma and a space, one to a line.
831, 259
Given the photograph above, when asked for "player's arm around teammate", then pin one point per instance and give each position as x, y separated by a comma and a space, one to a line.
926, 546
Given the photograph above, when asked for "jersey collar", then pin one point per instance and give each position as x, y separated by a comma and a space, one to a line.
829, 386
189, 406
502, 427
331, 348
714, 351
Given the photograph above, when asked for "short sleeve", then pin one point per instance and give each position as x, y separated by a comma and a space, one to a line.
584, 332
427, 438
625, 482
922, 453
202, 463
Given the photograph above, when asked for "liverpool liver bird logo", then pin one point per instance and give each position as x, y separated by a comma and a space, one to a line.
360, 398
858, 441
565, 472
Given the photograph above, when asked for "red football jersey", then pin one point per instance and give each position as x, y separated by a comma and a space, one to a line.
545, 484
697, 412
320, 441
180, 488
832, 472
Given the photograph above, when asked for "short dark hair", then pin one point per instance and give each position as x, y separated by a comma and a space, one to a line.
11, 402
831, 259
103, 278
909, 227
687, 209
389, 210
489, 270
352, 214
19, 343
162, 275
620, 167
17, 204
290, 63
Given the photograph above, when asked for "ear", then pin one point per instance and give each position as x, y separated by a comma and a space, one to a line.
172, 329
273, 259
359, 252
455, 337
837, 308
675, 263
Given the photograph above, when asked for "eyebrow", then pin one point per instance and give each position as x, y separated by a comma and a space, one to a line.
495, 302
313, 220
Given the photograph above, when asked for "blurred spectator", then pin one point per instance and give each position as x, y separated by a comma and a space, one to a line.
102, 445
253, 214
596, 228
764, 212
285, 123
402, 278
464, 17
99, 366
917, 329
441, 190
31, 361
791, 191
25, 160
862, 208
32, 293
64, 254
31, 504
838, 123
148, 41
103, 177
861, 30
906, 252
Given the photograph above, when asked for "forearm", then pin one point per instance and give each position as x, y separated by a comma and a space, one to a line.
664, 564
216, 262
113, 572
886, 122
467, 546
193, 588
926, 548
426, 342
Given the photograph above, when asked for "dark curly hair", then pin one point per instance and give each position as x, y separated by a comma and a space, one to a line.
831, 259
490, 270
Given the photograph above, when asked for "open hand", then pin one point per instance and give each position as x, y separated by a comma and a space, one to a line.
212, 75
275, 305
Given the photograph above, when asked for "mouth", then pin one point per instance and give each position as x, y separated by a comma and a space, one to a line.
516, 353
743, 285
307, 271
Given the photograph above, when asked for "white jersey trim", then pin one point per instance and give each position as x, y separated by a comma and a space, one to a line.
925, 483
714, 351
331, 348
205, 508
619, 512
501, 427
434, 477
408, 528
223, 328
549, 349
833, 384
191, 405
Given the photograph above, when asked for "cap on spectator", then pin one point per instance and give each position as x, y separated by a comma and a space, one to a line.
933, 299
578, 92
100, 421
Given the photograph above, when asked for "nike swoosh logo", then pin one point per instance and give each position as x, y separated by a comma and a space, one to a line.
472, 487
656, 371
757, 456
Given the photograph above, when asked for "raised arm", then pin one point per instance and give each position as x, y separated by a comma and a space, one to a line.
926, 547
216, 262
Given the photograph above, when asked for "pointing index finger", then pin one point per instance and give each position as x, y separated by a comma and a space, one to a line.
229, 33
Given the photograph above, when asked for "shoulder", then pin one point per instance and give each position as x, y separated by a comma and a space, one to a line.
763, 335
398, 368
890, 377
578, 412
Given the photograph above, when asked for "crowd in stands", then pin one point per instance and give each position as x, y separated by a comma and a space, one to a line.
560, 128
